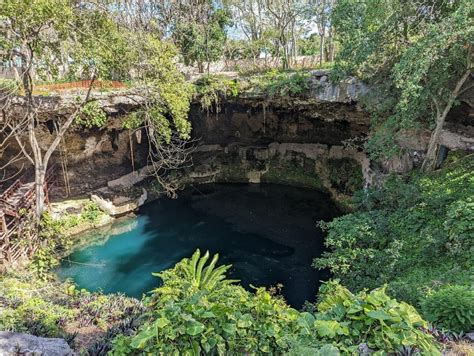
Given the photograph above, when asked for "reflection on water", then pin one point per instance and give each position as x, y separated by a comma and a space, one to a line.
267, 232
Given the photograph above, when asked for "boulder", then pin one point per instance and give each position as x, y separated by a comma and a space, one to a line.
12, 343
120, 204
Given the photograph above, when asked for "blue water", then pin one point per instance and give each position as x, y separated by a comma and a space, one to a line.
267, 232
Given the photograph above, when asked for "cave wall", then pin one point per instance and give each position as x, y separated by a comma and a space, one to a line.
293, 142
253, 138
261, 122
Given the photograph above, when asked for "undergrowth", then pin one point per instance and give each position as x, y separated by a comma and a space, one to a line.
414, 234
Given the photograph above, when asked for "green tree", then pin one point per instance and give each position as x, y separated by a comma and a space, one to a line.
37, 34
414, 235
201, 39
83, 38
423, 53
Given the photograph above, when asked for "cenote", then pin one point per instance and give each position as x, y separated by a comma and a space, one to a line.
267, 232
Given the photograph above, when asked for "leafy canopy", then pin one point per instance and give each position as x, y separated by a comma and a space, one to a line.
58, 34
202, 40
85, 39
412, 52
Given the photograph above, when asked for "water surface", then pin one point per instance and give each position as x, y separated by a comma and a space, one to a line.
267, 232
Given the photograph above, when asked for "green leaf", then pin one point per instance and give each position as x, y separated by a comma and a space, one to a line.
245, 321
140, 340
161, 322
379, 315
194, 328
229, 328
326, 328
328, 350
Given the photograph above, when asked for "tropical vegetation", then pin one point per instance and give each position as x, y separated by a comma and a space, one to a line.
401, 261
415, 235
197, 310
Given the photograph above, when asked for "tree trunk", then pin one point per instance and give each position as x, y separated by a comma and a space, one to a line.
40, 174
321, 50
430, 159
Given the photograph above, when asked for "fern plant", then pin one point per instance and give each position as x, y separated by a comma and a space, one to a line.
193, 274
208, 277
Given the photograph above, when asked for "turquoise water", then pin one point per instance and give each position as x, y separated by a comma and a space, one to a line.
267, 232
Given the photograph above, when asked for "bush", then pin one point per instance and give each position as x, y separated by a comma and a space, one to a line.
91, 212
282, 83
414, 234
91, 115
210, 89
198, 311
372, 318
54, 240
46, 308
451, 308
9, 87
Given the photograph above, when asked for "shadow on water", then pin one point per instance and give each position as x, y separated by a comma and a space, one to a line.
267, 232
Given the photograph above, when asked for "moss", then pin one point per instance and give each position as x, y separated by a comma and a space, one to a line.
293, 173
233, 173
345, 175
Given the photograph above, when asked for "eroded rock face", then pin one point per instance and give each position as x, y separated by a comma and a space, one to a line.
254, 122
24, 344
330, 168
57, 106
118, 203
251, 136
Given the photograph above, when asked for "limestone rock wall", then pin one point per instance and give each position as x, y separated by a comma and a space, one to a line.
253, 138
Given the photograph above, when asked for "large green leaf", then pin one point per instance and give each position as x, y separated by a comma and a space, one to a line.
379, 315
161, 322
194, 327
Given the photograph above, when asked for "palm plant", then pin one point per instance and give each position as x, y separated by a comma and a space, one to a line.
207, 277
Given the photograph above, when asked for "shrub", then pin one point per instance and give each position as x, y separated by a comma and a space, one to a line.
91, 212
198, 311
46, 308
373, 318
211, 88
192, 314
451, 308
459, 226
414, 234
91, 115
55, 242
52, 244
9, 86
278, 83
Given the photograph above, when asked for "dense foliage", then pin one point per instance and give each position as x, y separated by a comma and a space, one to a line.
451, 307
283, 83
420, 53
54, 239
415, 235
91, 115
202, 40
372, 318
211, 89
58, 309
197, 310
50, 40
